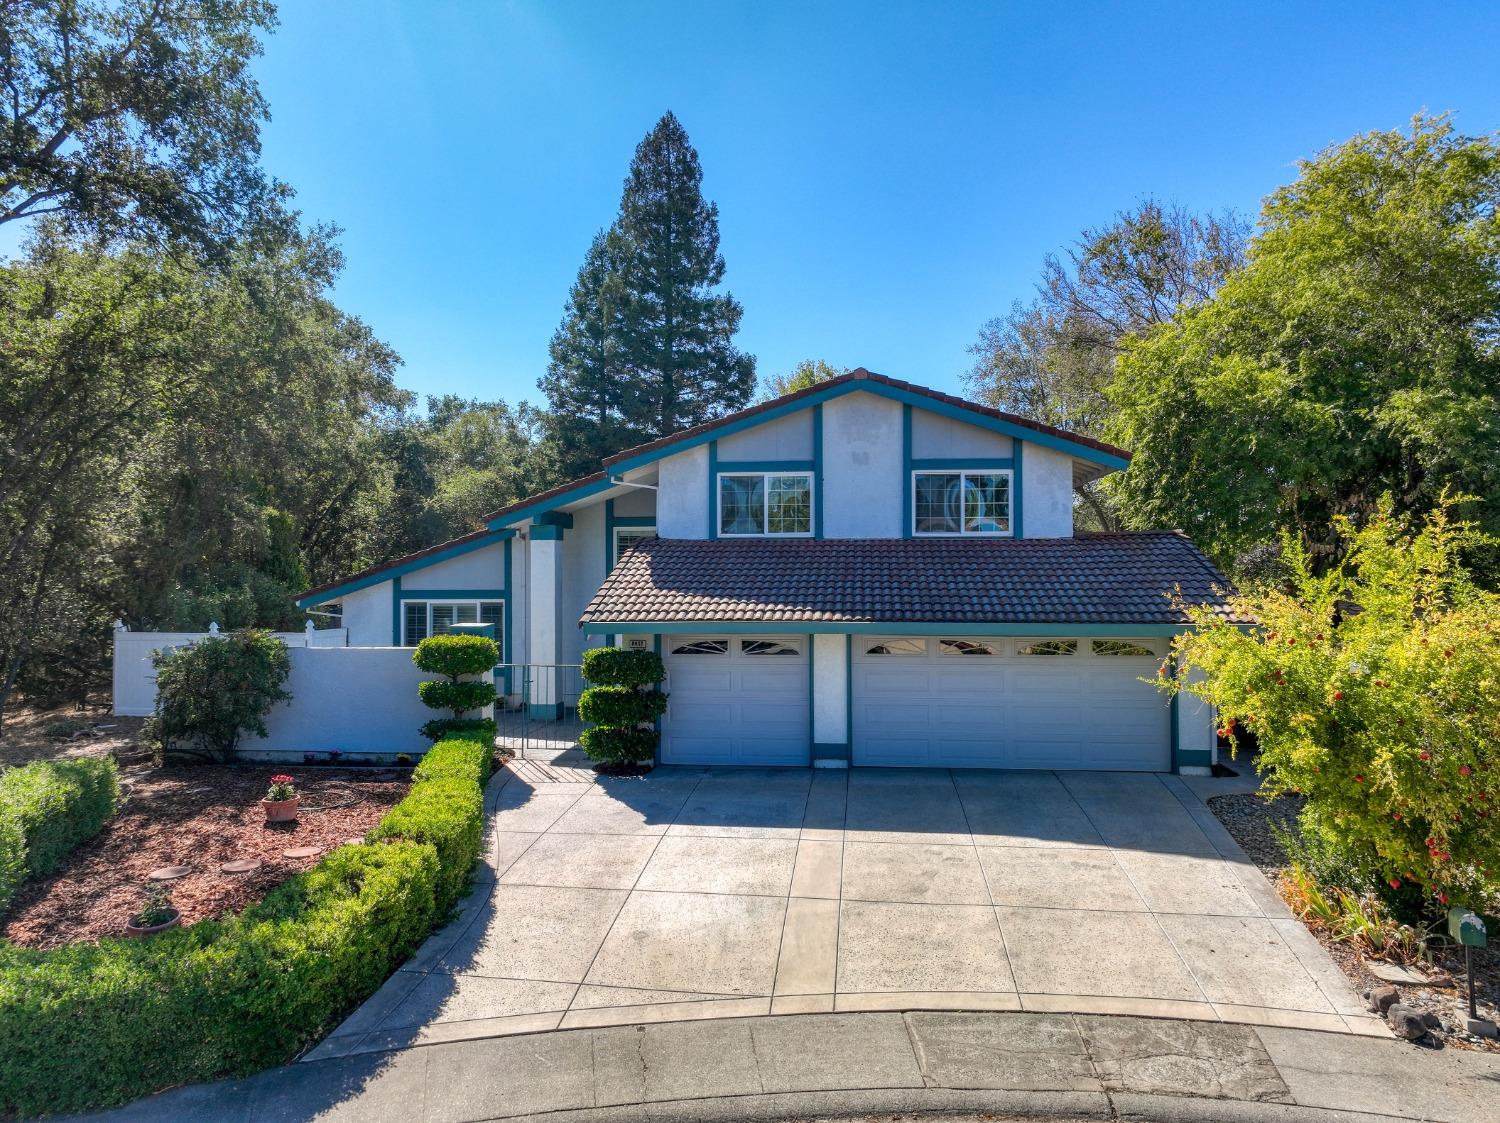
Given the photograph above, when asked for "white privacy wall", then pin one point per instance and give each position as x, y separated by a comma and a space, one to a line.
348, 699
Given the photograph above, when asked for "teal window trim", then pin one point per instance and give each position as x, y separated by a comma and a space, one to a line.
906, 470
1017, 524
778, 468
905, 397
973, 463
635, 520
451, 594
757, 467
882, 628
609, 536
396, 612
395, 572
713, 489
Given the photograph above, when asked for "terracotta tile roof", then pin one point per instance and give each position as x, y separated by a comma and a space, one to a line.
860, 374
1094, 578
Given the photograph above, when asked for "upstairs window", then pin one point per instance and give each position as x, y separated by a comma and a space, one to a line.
765, 504
628, 536
961, 502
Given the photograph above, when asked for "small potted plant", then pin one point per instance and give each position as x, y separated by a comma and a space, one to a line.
156, 915
281, 800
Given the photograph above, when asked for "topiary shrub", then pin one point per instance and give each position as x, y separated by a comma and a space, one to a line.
455, 656
209, 694
621, 709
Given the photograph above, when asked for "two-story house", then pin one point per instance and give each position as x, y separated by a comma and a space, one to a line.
865, 572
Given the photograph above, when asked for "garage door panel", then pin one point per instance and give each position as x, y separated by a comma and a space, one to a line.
1079, 711
736, 708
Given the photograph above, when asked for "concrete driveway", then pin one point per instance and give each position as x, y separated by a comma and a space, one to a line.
710, 893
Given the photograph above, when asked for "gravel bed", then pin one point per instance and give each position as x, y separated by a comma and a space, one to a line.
1250, 818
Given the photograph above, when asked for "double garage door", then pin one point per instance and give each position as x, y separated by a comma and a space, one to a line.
923, 702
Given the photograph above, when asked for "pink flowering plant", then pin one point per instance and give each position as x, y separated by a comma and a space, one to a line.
282, 788
1372, 689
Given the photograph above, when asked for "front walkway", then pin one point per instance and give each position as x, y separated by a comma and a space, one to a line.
695, 894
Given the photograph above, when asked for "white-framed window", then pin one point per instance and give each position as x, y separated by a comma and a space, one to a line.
628, 536
765, 504
423, 618
1049, 647
899, 645
768, 647
969, 647
1122, 649
961, 502
702, 647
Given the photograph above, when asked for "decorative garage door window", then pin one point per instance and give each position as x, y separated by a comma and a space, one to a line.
767, 647
1050, 647
967, 647
898, 647
423, 618
1119, 648
703, 647
961, 502
766, 504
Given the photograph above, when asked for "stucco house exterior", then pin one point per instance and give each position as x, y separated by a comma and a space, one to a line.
865, 572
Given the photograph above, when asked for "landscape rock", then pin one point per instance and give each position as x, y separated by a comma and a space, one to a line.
1381, 999
1482, 1027
1395, 973
1431, 1020
1406, 1022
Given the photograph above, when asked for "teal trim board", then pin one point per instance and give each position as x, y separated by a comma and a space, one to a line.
907, 484
505, 628
880, 389
396, 612
729, 467
656, 752
713, 489
1017, 524
849, 695
817, 468
572, 495
635, 520
547, 533
970, 463
450, 594
1172, 719
879, 628
394, 572
609, 536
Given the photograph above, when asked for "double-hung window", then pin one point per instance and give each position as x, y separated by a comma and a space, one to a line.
960, 502
628, 536
765, 503
423, 618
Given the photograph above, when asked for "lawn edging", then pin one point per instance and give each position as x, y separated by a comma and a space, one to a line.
92, 1025
47, 808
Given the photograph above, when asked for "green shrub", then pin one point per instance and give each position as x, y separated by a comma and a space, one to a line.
621, 710
90, 1025
459, 697
621, 705
619, 666
209, 694
455, 655
612, 745
466, 728
447, 814
47, 808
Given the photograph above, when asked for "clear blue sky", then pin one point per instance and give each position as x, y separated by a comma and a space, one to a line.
889, 175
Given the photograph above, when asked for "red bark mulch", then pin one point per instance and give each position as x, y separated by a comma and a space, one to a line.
199, 817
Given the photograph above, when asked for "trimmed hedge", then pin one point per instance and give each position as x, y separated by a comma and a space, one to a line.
90, 1025
457, 696
611, 745
456, 654
621, 705
47, 808
450, 728
620, 666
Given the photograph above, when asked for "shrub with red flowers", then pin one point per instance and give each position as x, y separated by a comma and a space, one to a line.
1374, 691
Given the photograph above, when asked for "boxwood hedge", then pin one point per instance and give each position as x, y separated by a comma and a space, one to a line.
89, 1025
47, 808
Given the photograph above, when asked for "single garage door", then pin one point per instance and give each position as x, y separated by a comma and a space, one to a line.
736, 700
1007, 703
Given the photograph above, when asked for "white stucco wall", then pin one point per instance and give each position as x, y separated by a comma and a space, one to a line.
1197, 724
682, 495
352, 699
830, 686
367, 616
862, 467
786, 438
582, 574
934, 436
635, 502
1046, 492
483, 568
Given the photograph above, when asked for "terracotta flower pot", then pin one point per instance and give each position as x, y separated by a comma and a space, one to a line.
281, 810
140, 930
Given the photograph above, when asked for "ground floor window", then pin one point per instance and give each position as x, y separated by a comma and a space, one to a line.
423, 618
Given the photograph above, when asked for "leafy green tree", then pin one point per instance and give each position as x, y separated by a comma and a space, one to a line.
1052, 358
210, 694
1355, 354
135, 118
1370, 688
646, 345
803, 376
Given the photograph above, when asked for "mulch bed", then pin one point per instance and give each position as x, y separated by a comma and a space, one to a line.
1250, 819
199, 817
